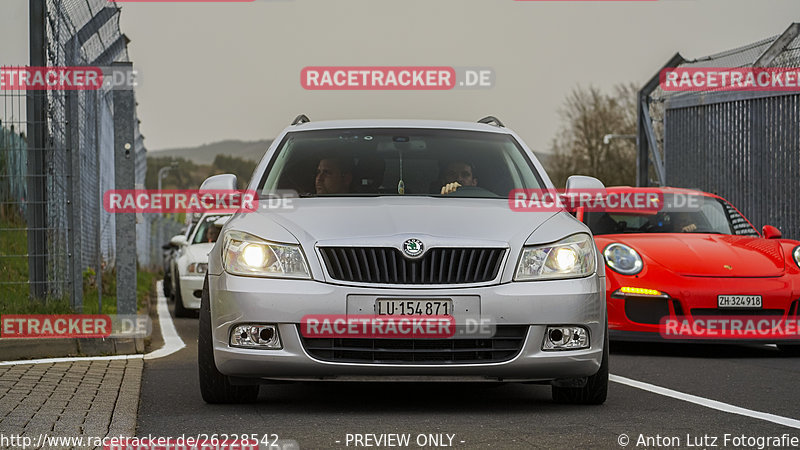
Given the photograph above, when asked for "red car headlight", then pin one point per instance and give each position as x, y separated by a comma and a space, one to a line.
623, 259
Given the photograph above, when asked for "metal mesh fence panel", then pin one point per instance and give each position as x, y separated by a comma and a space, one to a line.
52, 222
744, 146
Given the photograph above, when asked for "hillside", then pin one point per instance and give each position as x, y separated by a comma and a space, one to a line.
205, 154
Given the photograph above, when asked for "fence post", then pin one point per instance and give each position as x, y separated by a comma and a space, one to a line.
124, 174
95, 98
74, 204
645, 137
37, 132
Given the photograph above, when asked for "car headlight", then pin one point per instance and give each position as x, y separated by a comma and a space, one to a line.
245, 254
572, 257
197, 268
623, 259
796, 255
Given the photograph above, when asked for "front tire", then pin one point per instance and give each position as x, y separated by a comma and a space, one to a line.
214, 386
596, 389
180, 310
167, 284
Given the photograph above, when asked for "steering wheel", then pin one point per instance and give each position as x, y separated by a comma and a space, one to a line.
472, 191
647, 226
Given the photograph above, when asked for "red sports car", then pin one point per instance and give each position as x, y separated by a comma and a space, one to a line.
697, 270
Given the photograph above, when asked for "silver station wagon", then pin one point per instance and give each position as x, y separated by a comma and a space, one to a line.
385, 220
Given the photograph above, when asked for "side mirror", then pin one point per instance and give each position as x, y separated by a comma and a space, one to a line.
178, 241
771, 232
581, 182
218, 182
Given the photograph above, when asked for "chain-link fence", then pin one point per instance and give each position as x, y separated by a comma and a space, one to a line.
60, 150
744, 146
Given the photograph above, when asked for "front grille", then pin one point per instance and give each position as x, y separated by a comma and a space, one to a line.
503, 346
387, 265
646, 310
736, 312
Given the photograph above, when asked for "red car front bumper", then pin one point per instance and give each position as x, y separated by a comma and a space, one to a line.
692, 301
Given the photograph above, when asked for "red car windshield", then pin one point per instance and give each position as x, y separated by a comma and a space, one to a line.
712, 215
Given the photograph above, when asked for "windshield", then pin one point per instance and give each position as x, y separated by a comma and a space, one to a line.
713, 216
359, 162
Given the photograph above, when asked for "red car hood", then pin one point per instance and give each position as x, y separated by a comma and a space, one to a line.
707, 255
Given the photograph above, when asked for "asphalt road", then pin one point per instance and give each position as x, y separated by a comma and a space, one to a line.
321, 415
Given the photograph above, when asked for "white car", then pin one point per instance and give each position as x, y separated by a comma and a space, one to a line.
191, 263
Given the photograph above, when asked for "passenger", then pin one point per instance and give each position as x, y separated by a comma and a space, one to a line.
334, 176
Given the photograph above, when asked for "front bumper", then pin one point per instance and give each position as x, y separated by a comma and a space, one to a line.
191, 286
236, 300
693, 299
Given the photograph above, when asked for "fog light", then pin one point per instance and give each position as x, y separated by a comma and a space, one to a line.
565, 338
256, 336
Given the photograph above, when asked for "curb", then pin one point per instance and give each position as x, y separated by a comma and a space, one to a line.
21, 348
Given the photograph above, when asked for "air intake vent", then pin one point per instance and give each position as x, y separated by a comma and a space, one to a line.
503, 346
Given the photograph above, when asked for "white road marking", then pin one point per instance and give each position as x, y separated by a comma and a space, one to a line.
708, 403
172, 341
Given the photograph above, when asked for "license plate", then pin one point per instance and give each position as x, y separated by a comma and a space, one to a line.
397, 307
739, 301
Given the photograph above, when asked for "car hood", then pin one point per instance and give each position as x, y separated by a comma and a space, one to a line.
708, 255
371, 220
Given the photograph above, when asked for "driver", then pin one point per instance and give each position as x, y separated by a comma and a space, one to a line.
213, 233
683, 221
334, 176
456, 174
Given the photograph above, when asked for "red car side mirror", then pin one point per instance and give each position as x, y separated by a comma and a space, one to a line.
771, 232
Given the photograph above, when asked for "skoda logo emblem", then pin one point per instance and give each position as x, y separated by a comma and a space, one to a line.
412, 247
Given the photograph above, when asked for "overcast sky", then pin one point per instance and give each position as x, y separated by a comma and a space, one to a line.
232, 70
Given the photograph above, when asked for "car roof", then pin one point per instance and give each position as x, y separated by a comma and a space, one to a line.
398, 123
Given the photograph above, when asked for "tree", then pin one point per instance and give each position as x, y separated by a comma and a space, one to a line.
243, 169
189, 175
578, 148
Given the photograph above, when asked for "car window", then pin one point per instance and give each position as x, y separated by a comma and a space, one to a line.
399, 162
739, 224
206, 231
712, 216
